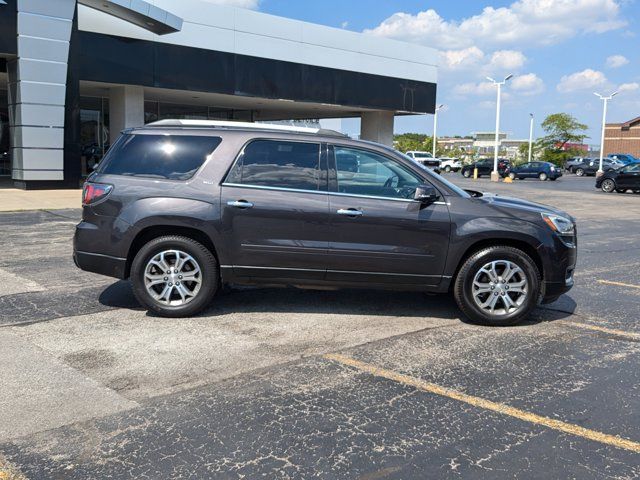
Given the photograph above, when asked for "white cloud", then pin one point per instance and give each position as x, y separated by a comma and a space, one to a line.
582, 80
629, 87
471, 88
250, 4
465, 58
529, 84
616, 61
524, 22
507, 60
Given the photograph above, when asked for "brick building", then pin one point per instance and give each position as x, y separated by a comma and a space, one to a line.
623, 137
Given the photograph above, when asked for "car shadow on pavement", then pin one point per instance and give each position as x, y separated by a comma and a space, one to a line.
343, 302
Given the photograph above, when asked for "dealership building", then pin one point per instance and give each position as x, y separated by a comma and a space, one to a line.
74, 73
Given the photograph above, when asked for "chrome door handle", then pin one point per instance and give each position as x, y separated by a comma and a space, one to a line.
351, 212
239, 204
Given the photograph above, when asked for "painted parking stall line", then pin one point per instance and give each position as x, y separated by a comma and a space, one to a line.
618, 284
609, 331
501, 408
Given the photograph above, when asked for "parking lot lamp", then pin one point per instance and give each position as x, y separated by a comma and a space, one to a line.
604, 122
494, 175
435, 126
530, 137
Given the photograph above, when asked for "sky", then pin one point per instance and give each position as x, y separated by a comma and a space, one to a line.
560, 52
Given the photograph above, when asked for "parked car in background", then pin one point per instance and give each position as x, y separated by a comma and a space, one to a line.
485, 167
572, 163
620, 180
425, 158
625, 158
449, 164
591, 166
185, 207
540, 170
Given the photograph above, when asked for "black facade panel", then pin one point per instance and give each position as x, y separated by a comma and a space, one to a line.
107, 58
195, 69
9, 27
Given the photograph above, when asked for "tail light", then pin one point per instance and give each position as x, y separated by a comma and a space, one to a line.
94, 192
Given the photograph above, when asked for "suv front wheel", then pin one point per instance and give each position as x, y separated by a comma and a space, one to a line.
498, 286
174, 276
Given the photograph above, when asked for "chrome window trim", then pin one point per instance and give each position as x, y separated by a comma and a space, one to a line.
320, 192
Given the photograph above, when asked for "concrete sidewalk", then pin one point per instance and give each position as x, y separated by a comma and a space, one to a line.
12, 199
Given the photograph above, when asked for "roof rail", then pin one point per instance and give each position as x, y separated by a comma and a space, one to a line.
244, 126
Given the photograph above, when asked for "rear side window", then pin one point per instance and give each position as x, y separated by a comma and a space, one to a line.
172, 157
275, 163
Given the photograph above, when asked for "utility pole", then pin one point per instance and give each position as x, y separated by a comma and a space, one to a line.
604, 122
494, 175
435, 126
530, 137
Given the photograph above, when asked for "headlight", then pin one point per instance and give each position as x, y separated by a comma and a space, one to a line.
558, 223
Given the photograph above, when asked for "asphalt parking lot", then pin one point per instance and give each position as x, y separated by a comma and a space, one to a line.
282, 383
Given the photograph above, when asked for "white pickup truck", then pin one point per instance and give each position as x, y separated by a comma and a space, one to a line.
425, 158
449, 164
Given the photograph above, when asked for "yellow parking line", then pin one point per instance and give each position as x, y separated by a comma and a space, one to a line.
8, 471
618, 284
610, 331
593, 435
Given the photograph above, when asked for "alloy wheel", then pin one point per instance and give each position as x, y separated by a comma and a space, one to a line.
172, 277
608, 186
500, 287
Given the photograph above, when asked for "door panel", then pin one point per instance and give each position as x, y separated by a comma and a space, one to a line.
391, 242
283, 234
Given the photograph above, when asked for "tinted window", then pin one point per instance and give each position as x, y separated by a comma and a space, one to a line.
422, 155
273, 163
175, 157
367, 173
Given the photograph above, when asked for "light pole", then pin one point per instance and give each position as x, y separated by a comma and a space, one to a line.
435, 126
530, 137
494, 175
604, 121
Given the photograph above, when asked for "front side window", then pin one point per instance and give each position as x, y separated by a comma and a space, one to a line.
362, 172
172, 157
281, 164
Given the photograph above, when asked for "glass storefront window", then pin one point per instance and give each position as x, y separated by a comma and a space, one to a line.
94, 131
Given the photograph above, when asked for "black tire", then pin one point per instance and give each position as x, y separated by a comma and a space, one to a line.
466, 173
463, 286
621, 190
447, 168
608, 185
210, 277
580, 172
512, 176
543, 176
553, 179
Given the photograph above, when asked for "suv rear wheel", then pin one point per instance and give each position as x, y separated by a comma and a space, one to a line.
497, 286
174, 276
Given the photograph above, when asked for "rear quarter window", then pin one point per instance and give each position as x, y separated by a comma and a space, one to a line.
171, 157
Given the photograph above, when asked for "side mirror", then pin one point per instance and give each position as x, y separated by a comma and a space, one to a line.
426, 194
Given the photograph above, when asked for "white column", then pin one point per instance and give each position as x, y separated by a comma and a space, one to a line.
126, 109
37, 89
377, 127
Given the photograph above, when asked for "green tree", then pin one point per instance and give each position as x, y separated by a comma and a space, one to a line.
560, 129
413, 141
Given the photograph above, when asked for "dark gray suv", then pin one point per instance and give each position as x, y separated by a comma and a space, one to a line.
183, 207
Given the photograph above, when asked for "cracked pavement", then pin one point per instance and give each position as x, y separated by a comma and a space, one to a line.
94, 387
